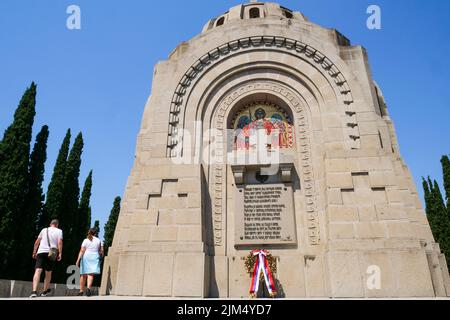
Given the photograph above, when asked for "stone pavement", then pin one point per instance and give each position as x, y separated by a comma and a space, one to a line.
123, 298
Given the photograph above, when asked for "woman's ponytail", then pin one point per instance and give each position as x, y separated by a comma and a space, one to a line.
91, 233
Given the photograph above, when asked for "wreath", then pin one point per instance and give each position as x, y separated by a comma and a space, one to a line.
250, 261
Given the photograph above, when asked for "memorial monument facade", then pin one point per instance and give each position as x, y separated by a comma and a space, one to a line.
267, 131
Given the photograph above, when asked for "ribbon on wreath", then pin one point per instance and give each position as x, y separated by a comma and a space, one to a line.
262, 265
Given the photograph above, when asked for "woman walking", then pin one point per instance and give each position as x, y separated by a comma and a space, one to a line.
89, 261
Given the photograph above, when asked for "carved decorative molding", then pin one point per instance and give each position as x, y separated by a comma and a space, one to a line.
239, 174
286, 172
217, 177
205, 62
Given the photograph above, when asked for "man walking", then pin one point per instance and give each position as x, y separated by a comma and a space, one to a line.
48, 243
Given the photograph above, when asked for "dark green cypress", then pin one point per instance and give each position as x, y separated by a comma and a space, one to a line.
446, 173
33, 204
69, 212
97, 227
97, 280
443, 223
439, 210
435, 205
35, 196
84, 210
445, 161
110, 226
429, 204
69, 216
14, 161
55, 193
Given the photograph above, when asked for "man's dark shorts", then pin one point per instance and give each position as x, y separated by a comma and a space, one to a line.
43, 262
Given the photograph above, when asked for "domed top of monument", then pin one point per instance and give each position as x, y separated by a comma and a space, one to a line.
255, 19
254, 10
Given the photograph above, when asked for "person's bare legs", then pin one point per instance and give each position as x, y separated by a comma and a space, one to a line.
90, 281
48, 279
82, 282
36, 279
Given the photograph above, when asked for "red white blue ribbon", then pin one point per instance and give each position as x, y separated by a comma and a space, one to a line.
262, 265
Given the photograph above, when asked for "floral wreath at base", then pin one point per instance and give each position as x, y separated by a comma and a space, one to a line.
261, 265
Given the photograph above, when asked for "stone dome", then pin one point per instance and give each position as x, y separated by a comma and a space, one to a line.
254, 10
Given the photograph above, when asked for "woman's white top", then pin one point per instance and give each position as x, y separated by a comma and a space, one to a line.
92, 246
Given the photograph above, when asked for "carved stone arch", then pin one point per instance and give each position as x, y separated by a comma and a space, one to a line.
217, 173
199, 103
303, 95
300, 96
263, 99
301, 50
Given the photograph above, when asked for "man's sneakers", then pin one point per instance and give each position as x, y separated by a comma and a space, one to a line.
46, 293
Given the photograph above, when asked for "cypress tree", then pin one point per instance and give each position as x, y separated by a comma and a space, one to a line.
443, 222
69, 212
35, 196
434, 207
53, 204
97, 280
439, 210
72, 187
33, 204
429, 204
84, 210
446, 173
97, 227
110, 226
14, 161
445, 161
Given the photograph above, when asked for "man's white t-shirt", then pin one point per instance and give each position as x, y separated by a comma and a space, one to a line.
92, 246
54, 235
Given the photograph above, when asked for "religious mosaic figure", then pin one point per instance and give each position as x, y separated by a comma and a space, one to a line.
278, 131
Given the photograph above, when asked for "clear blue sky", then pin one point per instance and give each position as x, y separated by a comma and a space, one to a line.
97, 79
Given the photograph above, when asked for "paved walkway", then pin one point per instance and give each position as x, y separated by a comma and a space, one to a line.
116, 298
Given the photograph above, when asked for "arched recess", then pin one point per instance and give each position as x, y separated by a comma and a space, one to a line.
316, 90
300, 82
225, 101
302, 94
260, 92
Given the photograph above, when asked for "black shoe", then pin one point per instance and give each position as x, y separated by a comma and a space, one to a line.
80, 294
46, 293
88, 293
34, 294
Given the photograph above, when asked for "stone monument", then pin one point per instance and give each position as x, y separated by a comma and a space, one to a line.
267, 131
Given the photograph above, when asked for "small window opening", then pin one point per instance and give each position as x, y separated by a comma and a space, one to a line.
288, 14
220, 22
254, 13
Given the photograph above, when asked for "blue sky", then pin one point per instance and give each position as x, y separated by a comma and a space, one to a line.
97, 79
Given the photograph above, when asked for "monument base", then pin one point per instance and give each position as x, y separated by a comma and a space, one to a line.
179, 275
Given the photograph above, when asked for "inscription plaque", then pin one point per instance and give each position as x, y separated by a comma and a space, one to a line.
265, 215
